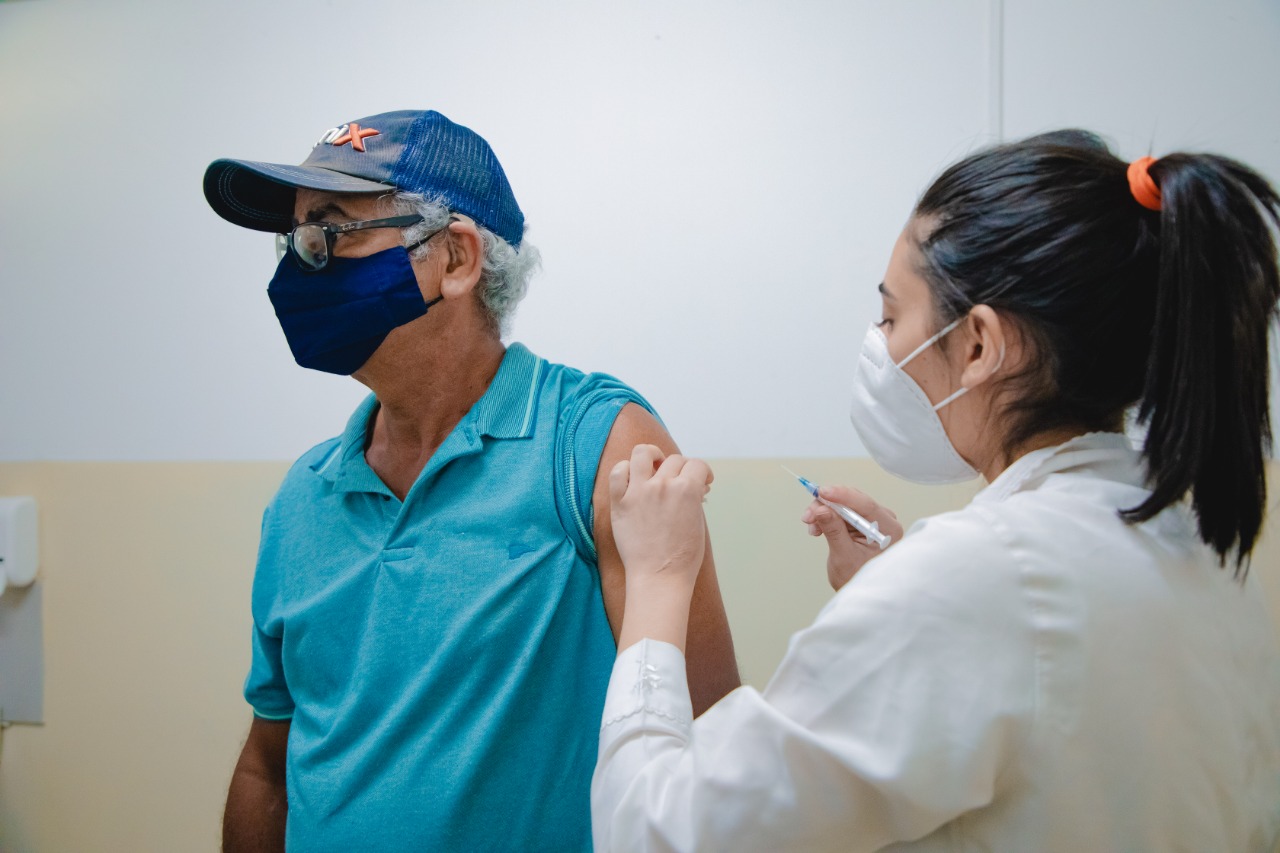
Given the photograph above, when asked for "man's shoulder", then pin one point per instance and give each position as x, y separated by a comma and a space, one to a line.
318, 461
325, 458
303, 483
575, 388
570, 379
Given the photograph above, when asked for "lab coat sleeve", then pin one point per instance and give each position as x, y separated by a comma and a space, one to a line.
889, 716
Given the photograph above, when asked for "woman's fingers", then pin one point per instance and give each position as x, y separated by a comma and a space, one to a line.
807, 517
648, 463
865, 506
845, 554
656, 512
619, 478
645, 461
694, 472
860, 502
699, 474
839, 537
847, 549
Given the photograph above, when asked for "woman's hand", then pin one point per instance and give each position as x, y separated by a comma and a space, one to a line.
656, 508
847, 549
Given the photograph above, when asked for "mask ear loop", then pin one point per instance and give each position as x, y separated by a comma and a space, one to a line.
960, 393
963, 390
924, 346
424, 239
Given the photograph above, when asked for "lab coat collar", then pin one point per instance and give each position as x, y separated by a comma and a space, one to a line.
1105, 455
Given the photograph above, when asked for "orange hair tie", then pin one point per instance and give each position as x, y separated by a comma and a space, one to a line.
1142, 185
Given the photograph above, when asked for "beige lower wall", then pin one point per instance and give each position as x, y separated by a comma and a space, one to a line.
146, 569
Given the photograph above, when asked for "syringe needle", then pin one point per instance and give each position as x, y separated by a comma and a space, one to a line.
869, 529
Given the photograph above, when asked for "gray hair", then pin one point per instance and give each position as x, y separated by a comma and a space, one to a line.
505, 271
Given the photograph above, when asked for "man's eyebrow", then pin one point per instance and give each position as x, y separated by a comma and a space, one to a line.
318, 214
884, 291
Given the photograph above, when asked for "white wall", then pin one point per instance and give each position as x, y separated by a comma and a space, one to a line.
1154, 76
714, 186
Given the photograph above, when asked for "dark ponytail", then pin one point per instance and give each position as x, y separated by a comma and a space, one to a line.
1171, 310
1206, 390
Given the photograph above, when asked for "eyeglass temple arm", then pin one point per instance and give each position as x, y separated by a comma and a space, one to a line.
390, 222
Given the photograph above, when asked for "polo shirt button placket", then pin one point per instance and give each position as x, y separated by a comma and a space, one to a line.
390, 511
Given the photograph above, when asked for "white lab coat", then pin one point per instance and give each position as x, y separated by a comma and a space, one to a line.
1027, 674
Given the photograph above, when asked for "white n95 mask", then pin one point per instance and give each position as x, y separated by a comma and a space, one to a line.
895, 420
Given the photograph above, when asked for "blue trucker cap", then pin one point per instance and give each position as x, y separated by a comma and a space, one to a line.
412, 150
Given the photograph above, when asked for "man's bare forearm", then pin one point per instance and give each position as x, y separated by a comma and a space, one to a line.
255, 817
257, 802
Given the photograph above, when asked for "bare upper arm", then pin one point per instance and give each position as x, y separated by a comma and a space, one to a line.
712, 668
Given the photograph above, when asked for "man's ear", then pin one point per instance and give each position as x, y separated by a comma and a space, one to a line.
463, 248
988, 338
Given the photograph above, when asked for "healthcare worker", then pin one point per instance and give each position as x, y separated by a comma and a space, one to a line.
1080, 659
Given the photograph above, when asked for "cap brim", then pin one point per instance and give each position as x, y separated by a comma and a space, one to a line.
260, 195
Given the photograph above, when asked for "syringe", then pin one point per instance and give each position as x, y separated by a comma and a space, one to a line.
869, 529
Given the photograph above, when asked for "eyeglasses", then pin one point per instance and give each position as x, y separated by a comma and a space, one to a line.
311, 243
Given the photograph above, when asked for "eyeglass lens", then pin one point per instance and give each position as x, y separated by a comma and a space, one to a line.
311, 245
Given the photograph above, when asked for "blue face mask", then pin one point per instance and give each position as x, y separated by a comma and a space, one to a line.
335, 319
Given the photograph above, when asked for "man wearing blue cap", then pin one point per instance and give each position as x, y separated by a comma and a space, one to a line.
438, 592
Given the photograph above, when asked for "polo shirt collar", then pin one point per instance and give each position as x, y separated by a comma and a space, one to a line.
506, 410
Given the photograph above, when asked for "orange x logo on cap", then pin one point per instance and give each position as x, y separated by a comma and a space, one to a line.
355, 135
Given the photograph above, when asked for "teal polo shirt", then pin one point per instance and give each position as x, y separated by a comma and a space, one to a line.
444, 659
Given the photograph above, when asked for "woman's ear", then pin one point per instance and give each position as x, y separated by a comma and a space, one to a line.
987, 340
464, 250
